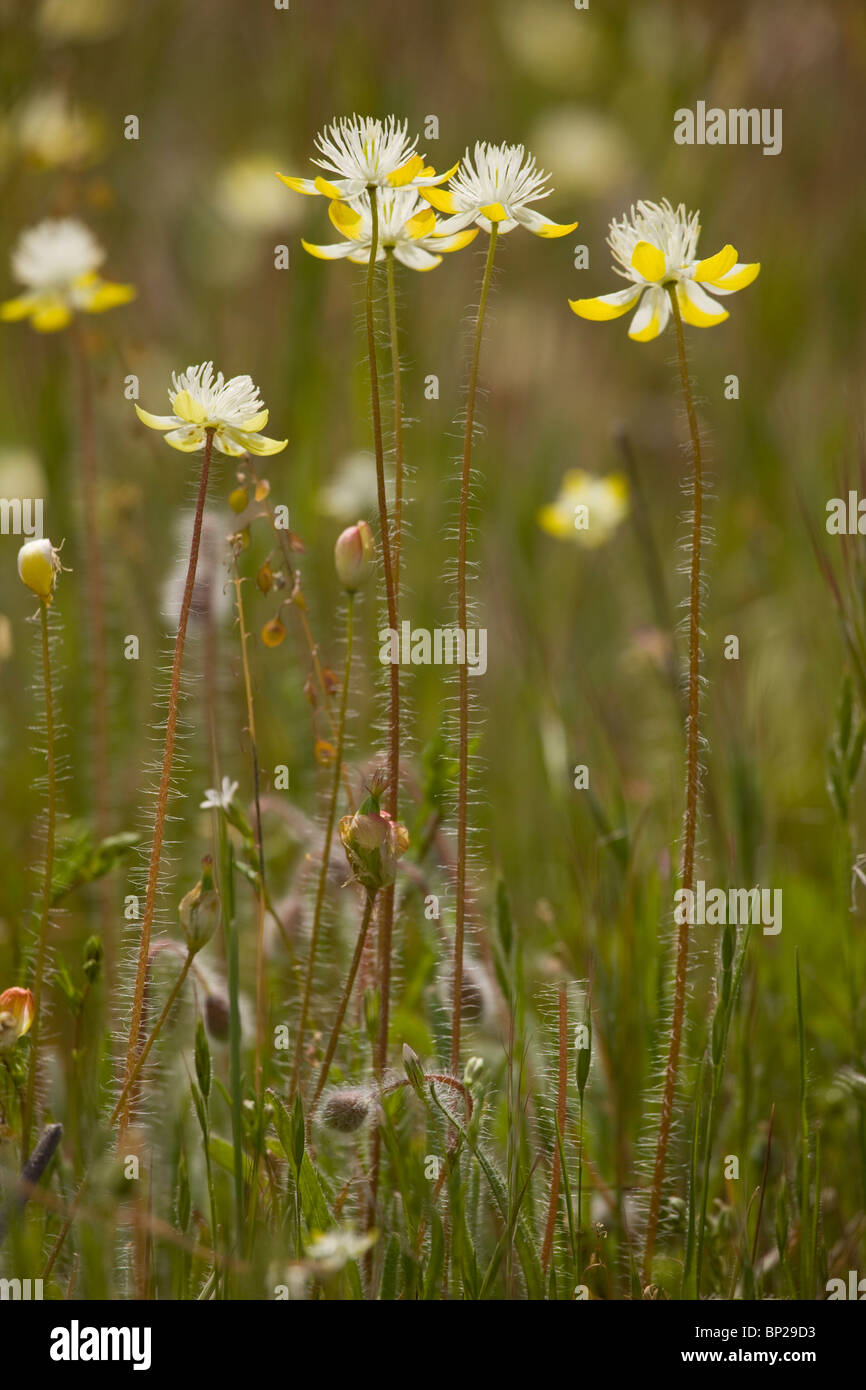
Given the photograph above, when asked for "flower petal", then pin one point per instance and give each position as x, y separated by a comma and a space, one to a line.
716, 266
649, 261
540, 225
452, 243
187, 439
407, 172
651, 317
230, 441
429, 177
262, 445
191, 411
607, 306
51, 315
333, 252
256, 422
440, 198
346, 219
416, 258
696, 306
737, 278
156, 422
494, 212
422, 224
330, 190
20, 308
299, 185
449, 225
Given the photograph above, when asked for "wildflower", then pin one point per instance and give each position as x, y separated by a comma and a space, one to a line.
496, 186
406, 226
331, 1250
57, 261
656, 248
199, 909
247, 197
588, 508
373, 844
16, 1015
222, 800
353, 555
52, 132
233, 409
346, 1110
38, 567
361, 152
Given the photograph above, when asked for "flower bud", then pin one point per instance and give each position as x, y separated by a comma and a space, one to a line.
353, 556
93, 953
373, 844
16, 1015
346, 1110
414, 1069
38, 566
199, 909
472, 1071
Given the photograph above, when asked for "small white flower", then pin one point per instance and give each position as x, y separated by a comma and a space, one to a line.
496, 186
202, 401
56, 261
406, 225
331, 1250
361, 152
221, 800
656, 246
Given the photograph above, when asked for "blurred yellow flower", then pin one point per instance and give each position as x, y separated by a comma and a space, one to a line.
56, 261
496, 185
656, 247
202, 401
247, 197
62, 20
588, 508
406, 225
360, 152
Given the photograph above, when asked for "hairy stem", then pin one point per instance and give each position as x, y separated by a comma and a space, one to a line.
690, 824
398, 420
326, 848
164, 787
463, 670
562, 1085
344, 1001
157, 1029
42, 939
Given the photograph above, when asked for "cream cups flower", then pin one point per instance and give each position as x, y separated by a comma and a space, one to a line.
406, 226
202, 401
16, 1016
588, 509
496, 186
361, 152
655, 248
57, 261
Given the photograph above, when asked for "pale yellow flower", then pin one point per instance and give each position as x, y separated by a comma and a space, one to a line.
361, 152
57, 261
406, 226
495, 185
203, 401
588, 508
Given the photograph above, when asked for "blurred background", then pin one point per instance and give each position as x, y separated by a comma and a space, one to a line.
580, 647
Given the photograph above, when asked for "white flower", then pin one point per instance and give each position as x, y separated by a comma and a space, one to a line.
360, 152
53, 132
221, 800
56, 261
656, 246
406, 225
588, 509
496, 186
331, 1250
233, 409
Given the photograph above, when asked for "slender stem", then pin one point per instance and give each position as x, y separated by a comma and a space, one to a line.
227, 899
260, 890
463, 670
42, 939
157, 1029
344, 1001
164, 785
562, 1086
398, 417
326, 847
96, 622
690, 823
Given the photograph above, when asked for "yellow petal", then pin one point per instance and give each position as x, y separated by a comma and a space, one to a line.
697, 308
192, 411
422, 224
737, 279
185, 440
155, 422
439, 198
407, 172
329, 190
108, 295
256, 422
261, 445
298, 185
457, 240
716, 265
449, 173
52, 317
346, 220
607, 306
494, 212
648, 261
554, 229
20, 308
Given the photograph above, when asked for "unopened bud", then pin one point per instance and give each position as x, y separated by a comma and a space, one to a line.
199, 909
92, 959
16, 1015
38, 566
353, 556
373, 843
346, 1110
414, 1069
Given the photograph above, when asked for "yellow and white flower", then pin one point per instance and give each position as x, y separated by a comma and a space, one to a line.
16, 1016
361, 152
38, 567
656, 248
496, 185
202, 401
588, 509
53, 133
56, 261
406, 225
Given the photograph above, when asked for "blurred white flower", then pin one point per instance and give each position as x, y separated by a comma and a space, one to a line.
590, 152
248, 197
588, 509
221, 800
331, 1250
53, 132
